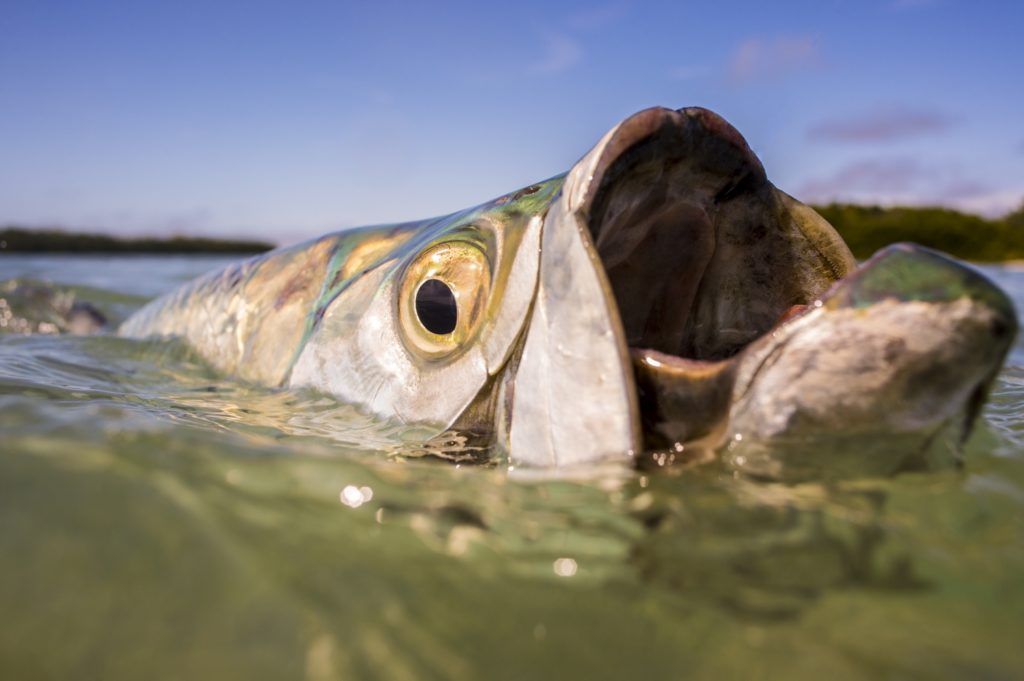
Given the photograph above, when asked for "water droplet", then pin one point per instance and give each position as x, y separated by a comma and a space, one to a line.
354, 497
565, 567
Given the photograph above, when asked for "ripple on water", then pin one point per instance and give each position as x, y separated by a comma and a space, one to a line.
160, 521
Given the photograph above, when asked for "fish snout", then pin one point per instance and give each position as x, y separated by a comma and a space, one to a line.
972, 319
895, 358
908, 272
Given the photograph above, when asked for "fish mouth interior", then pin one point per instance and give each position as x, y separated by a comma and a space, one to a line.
655, 243
655, 220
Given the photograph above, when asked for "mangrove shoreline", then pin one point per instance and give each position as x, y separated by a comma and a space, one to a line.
22, 240
865, 229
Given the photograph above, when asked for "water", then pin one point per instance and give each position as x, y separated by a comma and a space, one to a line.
159, 521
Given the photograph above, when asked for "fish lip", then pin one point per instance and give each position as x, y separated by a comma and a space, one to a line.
647, 124
853, 290
850, 290
906, 271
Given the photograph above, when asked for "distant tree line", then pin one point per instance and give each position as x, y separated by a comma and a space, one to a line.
19, 240
865, 229
971, 237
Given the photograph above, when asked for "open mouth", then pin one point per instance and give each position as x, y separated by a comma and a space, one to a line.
682, 299
703, 256
654, 220
702, 253
706, 258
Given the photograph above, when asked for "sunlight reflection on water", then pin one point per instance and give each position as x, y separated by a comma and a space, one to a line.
159, 521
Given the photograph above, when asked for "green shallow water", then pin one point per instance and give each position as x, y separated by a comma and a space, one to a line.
159, 521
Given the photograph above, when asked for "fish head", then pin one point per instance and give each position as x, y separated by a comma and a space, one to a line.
685, 303
658, 295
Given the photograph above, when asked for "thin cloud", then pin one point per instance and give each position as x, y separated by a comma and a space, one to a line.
889, 176
561, 53
882, 126
760, 58
906, 181
561, 50
1020, 147
996, 203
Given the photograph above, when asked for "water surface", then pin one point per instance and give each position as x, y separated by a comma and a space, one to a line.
160, 521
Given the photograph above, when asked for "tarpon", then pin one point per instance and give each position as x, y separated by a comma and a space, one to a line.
662, 294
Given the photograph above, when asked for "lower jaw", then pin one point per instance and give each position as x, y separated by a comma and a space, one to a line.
837, 456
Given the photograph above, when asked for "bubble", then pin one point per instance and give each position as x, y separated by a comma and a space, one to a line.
565, 567
354, 497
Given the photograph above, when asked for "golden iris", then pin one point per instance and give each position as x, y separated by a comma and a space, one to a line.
443, 297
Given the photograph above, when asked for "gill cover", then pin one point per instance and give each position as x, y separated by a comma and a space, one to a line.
574, 398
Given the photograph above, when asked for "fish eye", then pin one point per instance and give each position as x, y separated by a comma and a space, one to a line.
442, 298
436, 307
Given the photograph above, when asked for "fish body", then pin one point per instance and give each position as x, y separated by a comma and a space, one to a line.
326, 314
661, 293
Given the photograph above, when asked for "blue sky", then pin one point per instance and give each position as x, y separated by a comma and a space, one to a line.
284, 120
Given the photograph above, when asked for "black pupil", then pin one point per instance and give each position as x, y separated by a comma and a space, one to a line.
436, 307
